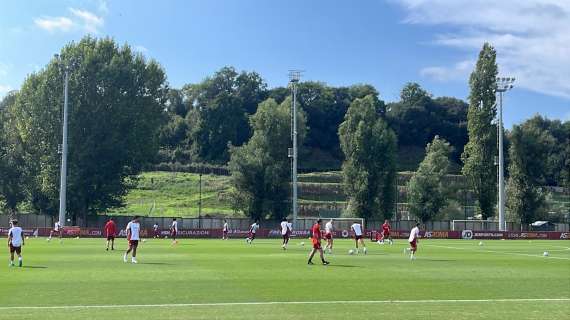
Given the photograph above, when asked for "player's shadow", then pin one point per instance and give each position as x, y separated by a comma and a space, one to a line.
157, 263
439, 260
342, 266
34, 267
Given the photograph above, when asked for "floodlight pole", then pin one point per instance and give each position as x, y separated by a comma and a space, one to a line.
63, 173
294, 77
503, 85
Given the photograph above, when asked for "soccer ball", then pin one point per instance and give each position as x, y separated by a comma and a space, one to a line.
480, 243
77, 237
302, 244
350, 252
143, 240
165, 237
27, 237
545, 253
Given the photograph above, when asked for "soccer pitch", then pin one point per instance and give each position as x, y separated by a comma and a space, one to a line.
215, 279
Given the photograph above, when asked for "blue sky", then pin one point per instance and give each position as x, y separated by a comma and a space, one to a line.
384, 43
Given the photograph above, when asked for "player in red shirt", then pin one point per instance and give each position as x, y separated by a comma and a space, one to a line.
110, 232
316, 238
386, 233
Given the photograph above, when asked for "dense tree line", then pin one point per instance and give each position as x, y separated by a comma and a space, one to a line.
124, 117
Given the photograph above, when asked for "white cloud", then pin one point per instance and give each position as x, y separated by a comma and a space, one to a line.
80, 19
89, 21
53, 24
460, 70
532, 37
141, 49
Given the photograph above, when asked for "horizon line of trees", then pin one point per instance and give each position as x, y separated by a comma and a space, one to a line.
124, 117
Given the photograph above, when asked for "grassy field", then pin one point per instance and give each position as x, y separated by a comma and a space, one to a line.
214, 279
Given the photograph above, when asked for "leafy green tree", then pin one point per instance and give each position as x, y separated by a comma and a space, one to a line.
12, 173
529, 153
417, 118
369, 170
426, 189
261, 168
115, 104
479, 153
325, 107
220, 107
175, 102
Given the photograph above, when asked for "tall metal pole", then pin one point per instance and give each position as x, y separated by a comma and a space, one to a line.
200, 200
503, 85
294, 77
63, 173
502, 226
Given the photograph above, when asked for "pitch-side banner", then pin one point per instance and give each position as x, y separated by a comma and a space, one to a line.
301, 234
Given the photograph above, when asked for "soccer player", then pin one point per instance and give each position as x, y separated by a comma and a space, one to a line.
225, 230
358, 236
285, 232
15, 242
110, 232
156, 231
174, 231
316, 239
386, 232
413, 240
133, 236
252, 231
57, 230
329, 235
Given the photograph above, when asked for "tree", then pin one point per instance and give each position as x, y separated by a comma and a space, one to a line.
479, 153
417, 118
175, 102
369, 170
12, 173
261, 168
115, 104
220, 106
529, 153
426, 189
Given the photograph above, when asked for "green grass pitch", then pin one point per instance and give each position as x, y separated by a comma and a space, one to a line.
215, 279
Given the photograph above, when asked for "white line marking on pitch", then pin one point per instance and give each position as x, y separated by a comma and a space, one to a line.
224, 304
494, 251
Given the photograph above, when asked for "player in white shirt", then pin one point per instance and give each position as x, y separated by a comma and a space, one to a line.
252, 231
329, 228
174, 231
285, 233
413, 240
58, 230
155, 229
358, 236
133, 236
225, 230
15, 242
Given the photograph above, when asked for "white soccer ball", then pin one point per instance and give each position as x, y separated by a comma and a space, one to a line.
350, 252
545, 253
302, 244
143, 240
27, 237
480, 243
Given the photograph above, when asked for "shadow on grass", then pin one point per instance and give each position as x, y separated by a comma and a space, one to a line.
158, 263
34, 267
439, 260
342, 266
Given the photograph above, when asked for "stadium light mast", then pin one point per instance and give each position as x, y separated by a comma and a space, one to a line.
63, 173
294, 77
503, 85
